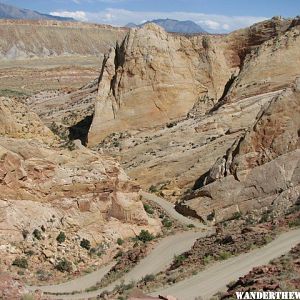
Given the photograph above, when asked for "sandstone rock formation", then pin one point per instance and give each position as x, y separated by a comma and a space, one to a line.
154, 77
260, 171
46, 189
206, 137
23, 39
17, 121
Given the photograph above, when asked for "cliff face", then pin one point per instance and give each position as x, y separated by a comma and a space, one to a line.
48, 189
23, 39
187, 113
154, 77
260, 171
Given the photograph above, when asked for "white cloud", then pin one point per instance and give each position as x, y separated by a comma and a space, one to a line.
120, 17
77, 15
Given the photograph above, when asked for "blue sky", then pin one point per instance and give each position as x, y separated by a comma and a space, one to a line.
212, 15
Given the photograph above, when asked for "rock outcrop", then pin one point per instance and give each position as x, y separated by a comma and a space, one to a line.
154, 77
260, 171
46, 189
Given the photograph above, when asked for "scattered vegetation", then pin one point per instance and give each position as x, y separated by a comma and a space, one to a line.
64, 265
148, 278
294, 223
153, 189
85, 244
148, 209
145, 236
223, 255
25, 233
191, 226
120, 241
20, 262
12, 93
236, 215
179, 259
167, 223
61, 237
37, 234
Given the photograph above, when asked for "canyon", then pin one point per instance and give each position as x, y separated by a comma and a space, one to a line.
172, 135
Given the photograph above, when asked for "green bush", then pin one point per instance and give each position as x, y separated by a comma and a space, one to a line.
236, 215
20, 262
153, 189
64, 265
61, 237
191, 226
120, 241
223, 255
178, 259
294, 223
145, 236
148, 278
167, 223
207, 259
37, 234
148, 209
85, 244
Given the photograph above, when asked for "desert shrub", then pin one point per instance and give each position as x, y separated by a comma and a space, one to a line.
207, 259
148, 209
120, 241
179, 259
236, 215
153, 189
148, 278
20, 262
37, 234
167, 223
223, 255
25, 233
64, 265
85, 244
294, 223
61, 237
191, 226
145, 236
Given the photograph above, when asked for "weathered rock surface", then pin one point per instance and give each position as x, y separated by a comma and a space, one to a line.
260, 170
154, 77
45, 190
44, 38
17, 121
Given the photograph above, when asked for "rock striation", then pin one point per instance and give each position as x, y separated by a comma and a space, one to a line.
225, 121
154, 77
47, 189
260, 171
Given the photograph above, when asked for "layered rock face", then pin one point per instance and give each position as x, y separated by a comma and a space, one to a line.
257, 67
46, 189
154, 77
260, 171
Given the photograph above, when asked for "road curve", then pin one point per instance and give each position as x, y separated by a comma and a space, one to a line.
214, 279
170, 210
156, 261
77, 284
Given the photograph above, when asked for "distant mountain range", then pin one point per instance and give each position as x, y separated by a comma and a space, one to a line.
12, 12
187, 27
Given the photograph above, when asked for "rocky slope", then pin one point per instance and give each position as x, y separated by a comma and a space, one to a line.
281, 274
178, 108
79, 192
153, 78
45, 38
260, 170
